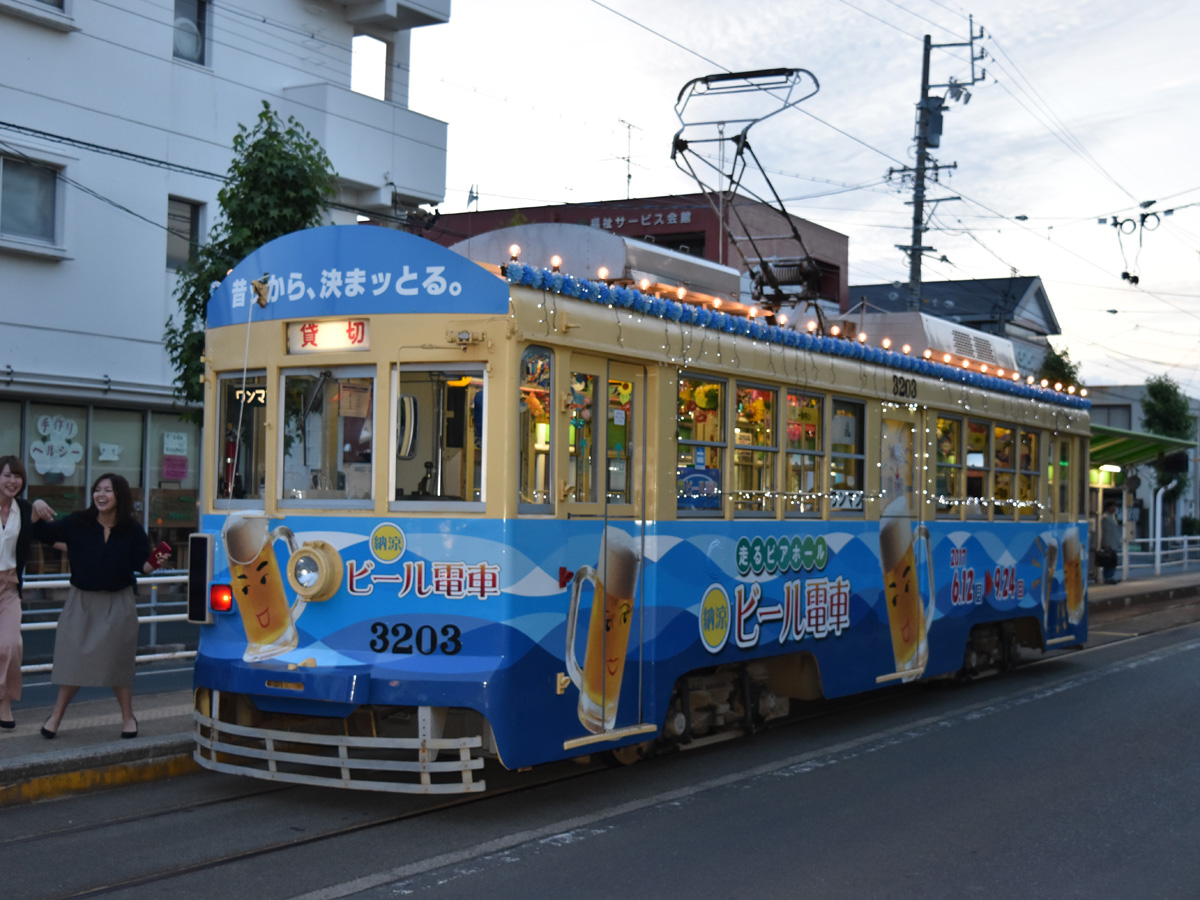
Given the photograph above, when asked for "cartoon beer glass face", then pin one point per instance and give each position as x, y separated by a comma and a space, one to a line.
258, 585
614, 592
1072, 558
908, 618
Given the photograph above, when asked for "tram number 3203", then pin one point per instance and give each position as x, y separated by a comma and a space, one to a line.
403, 638
904, 387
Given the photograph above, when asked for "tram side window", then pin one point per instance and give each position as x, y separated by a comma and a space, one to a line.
805, 453
949, 465
328, 432
241, 439
756, 450
847, 459
1005, 439
581, 432
445, 435
1028, 467
534, 477
701, 444
978, 466
620, 442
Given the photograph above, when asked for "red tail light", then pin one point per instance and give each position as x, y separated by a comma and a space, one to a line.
220, 597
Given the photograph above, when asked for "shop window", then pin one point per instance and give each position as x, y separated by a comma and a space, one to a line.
700, 421
805, 453
441, 426
242, 440
534, 476
10, 429
949, 465
756, 449
172, 480
847, 459
328, 433
56, 471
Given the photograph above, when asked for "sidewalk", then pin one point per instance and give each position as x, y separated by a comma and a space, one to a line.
89, 753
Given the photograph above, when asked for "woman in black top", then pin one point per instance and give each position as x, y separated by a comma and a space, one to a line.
96, 641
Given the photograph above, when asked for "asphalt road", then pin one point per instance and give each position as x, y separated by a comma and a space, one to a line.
1073, 776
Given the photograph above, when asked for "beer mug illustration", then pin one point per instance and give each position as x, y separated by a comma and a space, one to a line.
1072, 557
258, 585
614, 592
908, 617
1050, 561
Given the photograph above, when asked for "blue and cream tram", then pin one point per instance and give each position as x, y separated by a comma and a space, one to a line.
459, 511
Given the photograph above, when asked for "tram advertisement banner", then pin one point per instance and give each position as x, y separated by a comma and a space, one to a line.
562, 630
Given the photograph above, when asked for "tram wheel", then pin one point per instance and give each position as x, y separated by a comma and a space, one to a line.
627, 756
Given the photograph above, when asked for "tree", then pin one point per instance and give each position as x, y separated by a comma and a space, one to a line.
1166, 411
279, 181
1057, 368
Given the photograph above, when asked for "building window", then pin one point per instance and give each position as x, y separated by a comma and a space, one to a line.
183, 232
28, 200
191, 19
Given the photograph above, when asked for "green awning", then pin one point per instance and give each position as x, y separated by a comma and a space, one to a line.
1117, 447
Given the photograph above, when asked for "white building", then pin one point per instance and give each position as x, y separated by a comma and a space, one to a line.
116, 120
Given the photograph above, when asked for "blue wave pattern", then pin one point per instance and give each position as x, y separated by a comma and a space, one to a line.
473, 613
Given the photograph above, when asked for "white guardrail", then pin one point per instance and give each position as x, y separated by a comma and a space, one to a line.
1149, 557
152, 619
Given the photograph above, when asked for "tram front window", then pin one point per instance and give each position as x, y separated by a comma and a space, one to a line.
440, 429
241, 439
328, 434
847, 460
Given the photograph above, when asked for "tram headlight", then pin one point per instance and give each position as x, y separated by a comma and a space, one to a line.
315, 570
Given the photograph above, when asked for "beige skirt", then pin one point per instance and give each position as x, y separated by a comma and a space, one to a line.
10, 637
97, 639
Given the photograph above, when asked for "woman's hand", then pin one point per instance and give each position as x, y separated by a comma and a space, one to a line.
42, 511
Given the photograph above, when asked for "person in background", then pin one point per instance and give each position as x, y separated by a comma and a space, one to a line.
16, 533
96, 641
1110, 541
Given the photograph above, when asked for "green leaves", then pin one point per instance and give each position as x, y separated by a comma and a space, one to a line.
279, 181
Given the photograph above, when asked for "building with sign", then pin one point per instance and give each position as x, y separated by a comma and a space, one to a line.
105, 192
685, 223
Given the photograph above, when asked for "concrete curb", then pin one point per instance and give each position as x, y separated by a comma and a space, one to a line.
1118, 599
42, 776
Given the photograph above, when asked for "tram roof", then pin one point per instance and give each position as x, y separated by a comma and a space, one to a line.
1117, 447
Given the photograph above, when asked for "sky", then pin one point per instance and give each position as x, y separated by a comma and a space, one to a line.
1088, 110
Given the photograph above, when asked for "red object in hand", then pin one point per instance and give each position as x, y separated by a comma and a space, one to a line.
160, 555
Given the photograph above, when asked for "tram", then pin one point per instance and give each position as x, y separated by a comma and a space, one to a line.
458, 511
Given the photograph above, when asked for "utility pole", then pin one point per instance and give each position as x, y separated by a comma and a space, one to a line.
929, 134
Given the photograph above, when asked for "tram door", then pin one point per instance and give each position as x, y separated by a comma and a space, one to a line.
605, 482
906, 556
